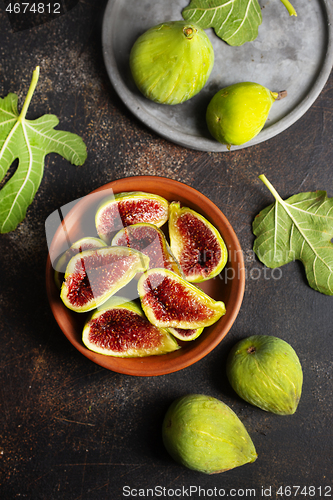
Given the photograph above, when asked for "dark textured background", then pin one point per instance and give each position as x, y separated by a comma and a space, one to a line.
72, 430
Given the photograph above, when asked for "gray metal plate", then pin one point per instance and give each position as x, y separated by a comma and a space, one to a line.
290, 53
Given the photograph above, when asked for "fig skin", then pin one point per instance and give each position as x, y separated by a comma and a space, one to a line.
127, 208
135, 337
150, 240
171, 62
204, 434
266, 372
237, 113
196, 244
169, 300
91, 276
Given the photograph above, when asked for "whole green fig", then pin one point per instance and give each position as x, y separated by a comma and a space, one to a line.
266, 372
204, 434
236, 114
171, 62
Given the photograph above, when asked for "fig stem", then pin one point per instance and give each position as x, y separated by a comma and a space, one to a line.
271, 188
33, 84
289, 7
281, 95
189, 32
251, 350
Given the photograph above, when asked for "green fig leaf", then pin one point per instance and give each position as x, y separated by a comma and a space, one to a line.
234, 21
29, 141
299, 228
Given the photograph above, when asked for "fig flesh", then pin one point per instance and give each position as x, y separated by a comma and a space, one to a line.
150, 240
196, 244
125, 209
237, 113
93, 276
119, 328
171, 62
183, 334
204, 434
169, 300
266, 372
86, 243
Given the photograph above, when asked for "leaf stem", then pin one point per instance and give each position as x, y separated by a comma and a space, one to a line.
289, 7
271, 188
30, 93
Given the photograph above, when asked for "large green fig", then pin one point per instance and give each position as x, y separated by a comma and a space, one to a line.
169, 300
127, 208
237, 113
204, 434
196, 243
266, 372
119, 328
171, 62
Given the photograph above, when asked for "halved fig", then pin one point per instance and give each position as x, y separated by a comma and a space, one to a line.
150, 240
196, 243
86, 243
119, 328
92, 276
169, 300
183, 334
124, 209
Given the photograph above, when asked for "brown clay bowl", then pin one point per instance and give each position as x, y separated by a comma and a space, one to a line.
228, 286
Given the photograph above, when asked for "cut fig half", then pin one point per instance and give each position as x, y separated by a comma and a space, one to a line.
86, 243
183, 334
93, 276
120, 328
169, 300
127, 208
196, 244
151, 241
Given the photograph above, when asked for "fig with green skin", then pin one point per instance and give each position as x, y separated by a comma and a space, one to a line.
204, 434
171, 62
169, 300
124, 209
237, 113
266, 372
150, 240
86, 243
93, 276
196, 243
119, 328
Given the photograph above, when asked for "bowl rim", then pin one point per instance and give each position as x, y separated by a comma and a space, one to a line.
182, 358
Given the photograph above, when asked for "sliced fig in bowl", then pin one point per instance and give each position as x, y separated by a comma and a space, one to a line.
196, 244
127, 208
186, 334
151, 241
169, 300
93, 276
87, 243
120, 328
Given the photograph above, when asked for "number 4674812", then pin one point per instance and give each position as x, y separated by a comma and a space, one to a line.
38, 8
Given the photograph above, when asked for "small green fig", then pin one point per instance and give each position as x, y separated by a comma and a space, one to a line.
204, 434
171, 62
236, 114
266, 372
